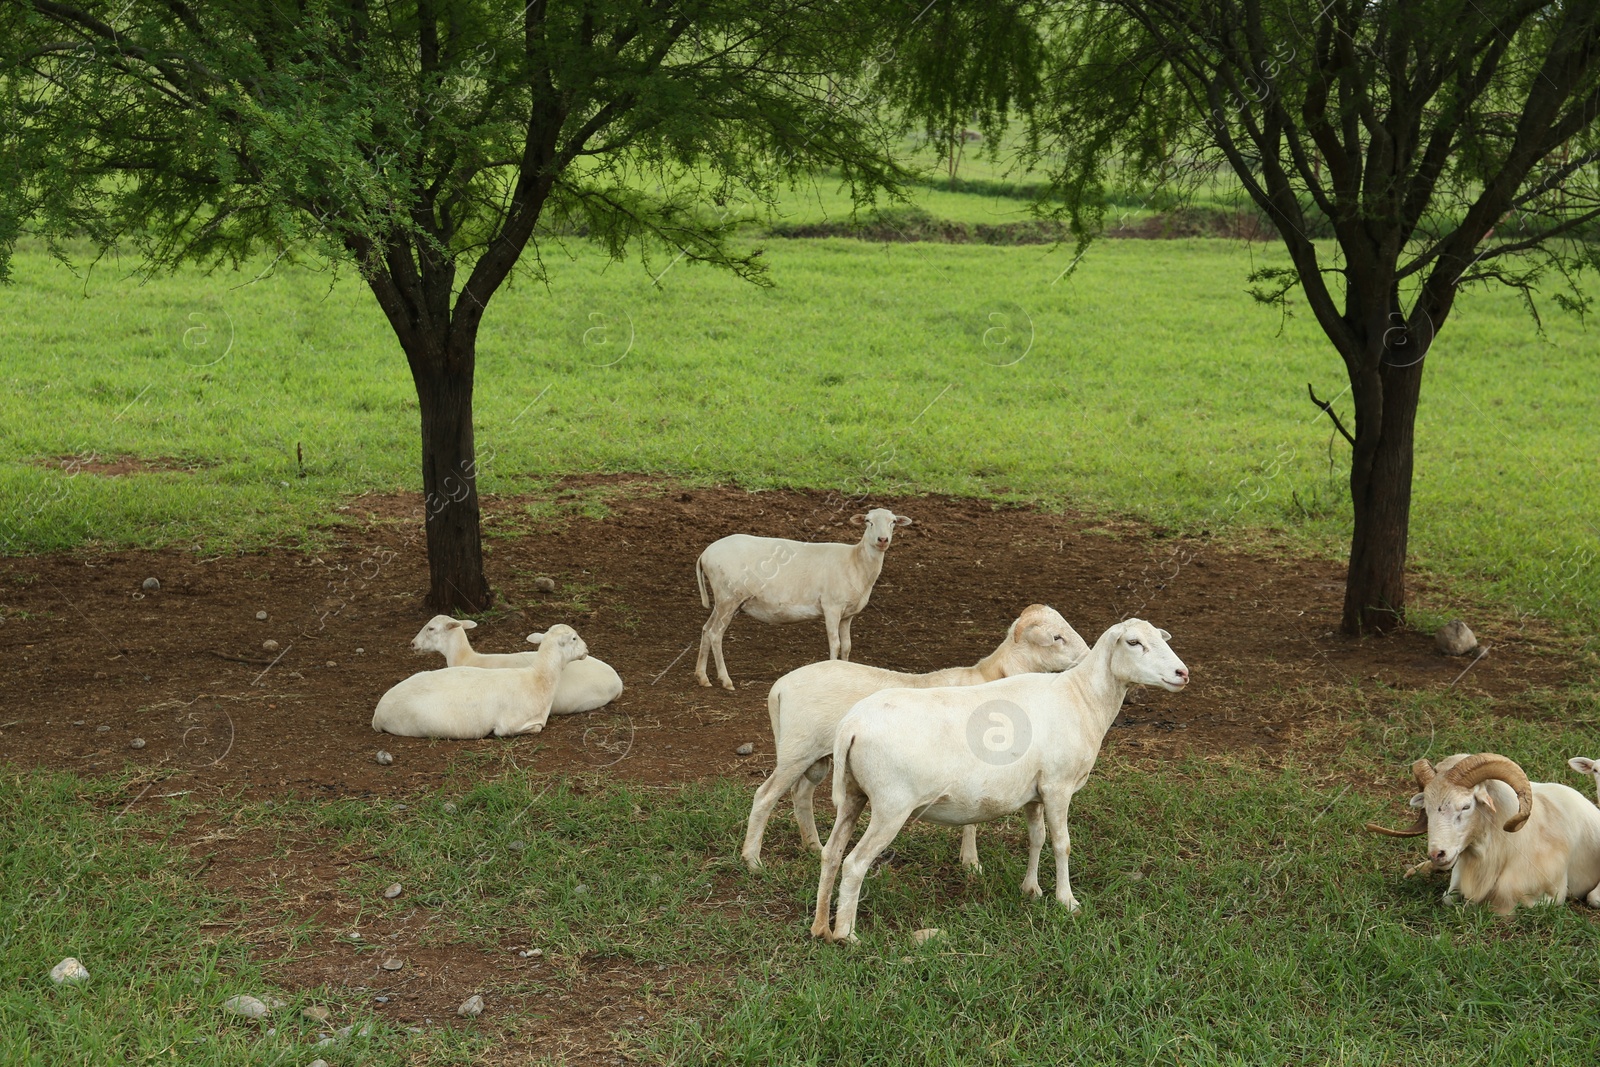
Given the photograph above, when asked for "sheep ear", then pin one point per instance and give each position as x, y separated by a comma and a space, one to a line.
1582, 764
467, 624
1164, 635
1416, 801
902, 520
858, 520
535, 639
1482, 795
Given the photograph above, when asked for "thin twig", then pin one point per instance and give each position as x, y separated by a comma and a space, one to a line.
1332, 414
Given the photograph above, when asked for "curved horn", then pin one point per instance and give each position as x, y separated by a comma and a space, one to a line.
1416, 830
1485, 765
1423, 772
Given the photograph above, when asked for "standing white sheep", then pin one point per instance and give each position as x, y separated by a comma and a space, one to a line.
586, 684
805, 707
469, 702
776, 580
974, 754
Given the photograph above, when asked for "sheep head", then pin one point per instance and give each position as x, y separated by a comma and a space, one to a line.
1140, 655
880, 524
1456, 806
440, 633
1045, 642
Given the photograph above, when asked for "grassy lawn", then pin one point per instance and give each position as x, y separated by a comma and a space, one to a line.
1146, 383
1233, 914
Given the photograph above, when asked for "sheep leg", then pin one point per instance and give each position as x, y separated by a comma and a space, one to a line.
711, 639
844, 637
850, 806
1036, 835
830, 618
1593, 899
881, 830
804, 805
770, 792
1055, 814
969, 849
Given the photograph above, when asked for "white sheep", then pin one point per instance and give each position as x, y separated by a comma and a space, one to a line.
586, 684
1586, 766
973, 754
776, 580
805, 707
1505, 840
466, 702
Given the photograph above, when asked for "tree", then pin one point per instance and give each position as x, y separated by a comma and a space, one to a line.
428, 144
1404, 150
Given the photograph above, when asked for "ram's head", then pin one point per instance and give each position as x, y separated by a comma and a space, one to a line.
1456, 803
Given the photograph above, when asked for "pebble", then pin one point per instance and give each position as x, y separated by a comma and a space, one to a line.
354, 935
471, 1008
324, 1043
383, 758
920, 936
316, 1013
318, 1063
152, 584
331, 663
393, 963
77, 722
449, 807
249, 1007
137, 742
361, 651
545, 585
516, 846
1455, 638
261, 616
580, 890
344, 1032
270, 645
531, 953
68, 971
102, 729
744, 749
381, 1000
392, 892
1136, 876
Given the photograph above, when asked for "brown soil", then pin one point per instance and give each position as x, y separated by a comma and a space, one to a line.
90, 661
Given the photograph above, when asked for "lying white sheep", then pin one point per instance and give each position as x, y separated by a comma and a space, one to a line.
805, 707
1586, 766
586, 684
464, 702
1505, 840
777, 580
974, 754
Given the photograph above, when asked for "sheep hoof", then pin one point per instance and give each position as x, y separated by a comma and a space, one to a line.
975, 868
820, 929
727, 683
1032, 892
703, 680
1070, 903
752, 862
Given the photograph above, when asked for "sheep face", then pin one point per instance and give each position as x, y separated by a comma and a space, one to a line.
1046, 641
437, 634
880, 524
569, 646
1459, 806
1142, 657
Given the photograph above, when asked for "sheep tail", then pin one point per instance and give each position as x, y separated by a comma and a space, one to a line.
841, 764
700, 580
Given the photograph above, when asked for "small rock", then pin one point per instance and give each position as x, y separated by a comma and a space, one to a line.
531, 953
270, 645
449, 807
580, 890
545, 585
324, 1043
137, 742
383, 758
316, 1013
102, 729
249, 1007
471, 1008
381, 1000
361, 651
331, 663
392, 892
354, 935
1455, 639
744, 749
261, 616
516, 846
152, 584
77, 722
296, 674
393, 963
1136, 876
928, 934
69, 971
318, 1063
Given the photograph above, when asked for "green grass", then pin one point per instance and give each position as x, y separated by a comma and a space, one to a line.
1147, 383
1233, 913
80, 878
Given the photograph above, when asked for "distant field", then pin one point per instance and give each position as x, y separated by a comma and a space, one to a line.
1146, 383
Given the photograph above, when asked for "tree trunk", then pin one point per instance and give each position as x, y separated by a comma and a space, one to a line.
1380, 490
443, 375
